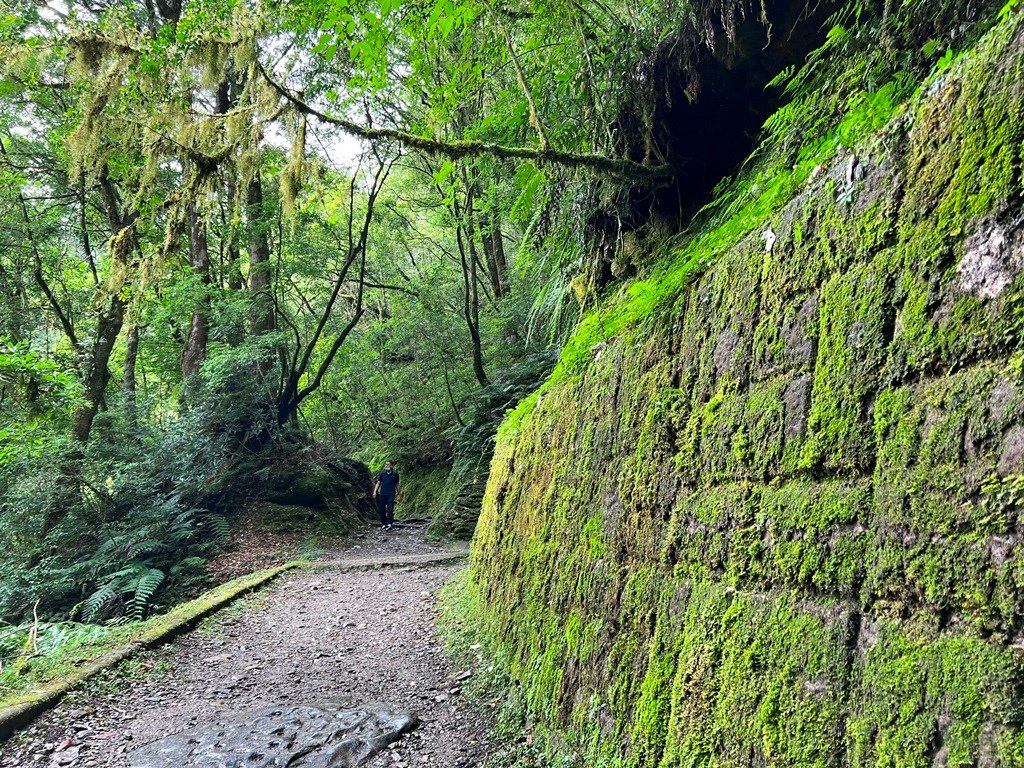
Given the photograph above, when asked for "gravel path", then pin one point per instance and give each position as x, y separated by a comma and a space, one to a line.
319, 637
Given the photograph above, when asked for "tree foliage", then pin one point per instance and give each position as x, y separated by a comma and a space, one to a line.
200, 275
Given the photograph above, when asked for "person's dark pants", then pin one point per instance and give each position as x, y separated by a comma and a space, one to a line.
386, 509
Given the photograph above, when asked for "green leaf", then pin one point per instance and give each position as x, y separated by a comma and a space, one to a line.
442, 174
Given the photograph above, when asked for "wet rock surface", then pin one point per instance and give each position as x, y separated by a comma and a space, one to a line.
326, 639
301, 737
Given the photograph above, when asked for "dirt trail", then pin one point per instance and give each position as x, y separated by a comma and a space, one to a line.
328, 635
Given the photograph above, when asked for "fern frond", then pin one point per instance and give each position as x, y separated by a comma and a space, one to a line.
98, 600
145, 588
143, 547
220, 526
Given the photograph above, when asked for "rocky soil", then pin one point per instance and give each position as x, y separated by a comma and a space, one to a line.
322, 638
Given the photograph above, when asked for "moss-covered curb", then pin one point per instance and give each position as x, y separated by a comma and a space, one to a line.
166, 628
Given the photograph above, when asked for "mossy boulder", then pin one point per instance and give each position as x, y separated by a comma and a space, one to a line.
296, 518
284, 518
316, 487
321, 481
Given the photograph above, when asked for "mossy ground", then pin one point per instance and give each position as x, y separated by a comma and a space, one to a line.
516, 742
80, 644
765, 511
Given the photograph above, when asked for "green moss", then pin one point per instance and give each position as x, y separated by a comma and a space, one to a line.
856, 312
422, 489
919, 693
19, 682
292, 518
315, 486
756, 516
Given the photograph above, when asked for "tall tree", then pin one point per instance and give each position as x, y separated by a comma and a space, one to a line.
194, 352
465, 237
121, 246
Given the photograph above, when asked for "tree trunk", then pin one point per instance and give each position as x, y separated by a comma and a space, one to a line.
235, 333
235, 281
226, 99
95, 364
494, 249
131, 355
96, 370
471, 296
194, 353
260, 288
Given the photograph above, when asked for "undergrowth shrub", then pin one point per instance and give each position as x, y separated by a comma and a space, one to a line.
459, 505
139, 509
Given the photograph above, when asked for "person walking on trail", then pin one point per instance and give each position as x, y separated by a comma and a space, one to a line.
384, 492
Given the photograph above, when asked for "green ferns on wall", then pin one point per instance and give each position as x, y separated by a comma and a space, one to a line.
766, 510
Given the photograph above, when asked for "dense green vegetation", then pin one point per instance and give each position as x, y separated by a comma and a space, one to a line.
250, 248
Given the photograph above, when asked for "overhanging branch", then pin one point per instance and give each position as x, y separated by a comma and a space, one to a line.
456, 150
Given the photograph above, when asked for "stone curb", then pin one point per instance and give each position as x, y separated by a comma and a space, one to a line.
374, 563
178, 621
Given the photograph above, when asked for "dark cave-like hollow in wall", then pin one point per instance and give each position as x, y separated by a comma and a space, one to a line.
702, 98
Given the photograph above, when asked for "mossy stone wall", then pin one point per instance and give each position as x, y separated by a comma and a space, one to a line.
775, 520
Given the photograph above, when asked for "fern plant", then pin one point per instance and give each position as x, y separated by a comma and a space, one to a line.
145, 587
133, 587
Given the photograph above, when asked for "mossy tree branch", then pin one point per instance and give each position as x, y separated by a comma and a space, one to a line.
457, 150
538, 125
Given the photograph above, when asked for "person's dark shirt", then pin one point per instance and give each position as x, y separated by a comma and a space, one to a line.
388, 480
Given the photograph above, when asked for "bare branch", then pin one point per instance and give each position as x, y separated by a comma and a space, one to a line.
535, 120
37, 271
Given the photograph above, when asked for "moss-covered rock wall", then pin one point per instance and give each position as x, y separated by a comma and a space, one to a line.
769, 514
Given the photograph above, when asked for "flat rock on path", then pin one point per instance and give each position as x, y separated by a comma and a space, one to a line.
298, 737
318, 640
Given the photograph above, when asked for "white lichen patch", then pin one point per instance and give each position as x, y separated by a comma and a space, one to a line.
993, 258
